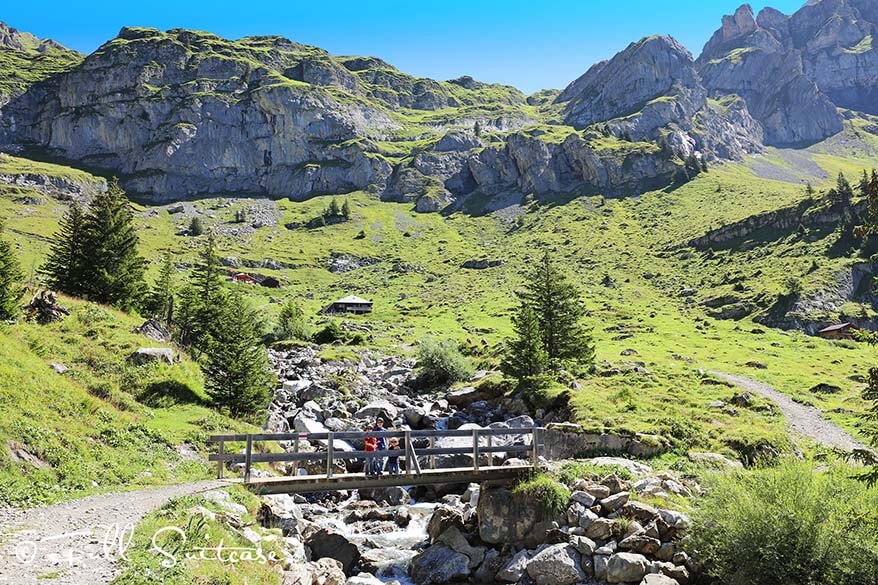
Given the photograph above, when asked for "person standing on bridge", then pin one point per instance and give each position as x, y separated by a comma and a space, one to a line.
382, 445
371, 445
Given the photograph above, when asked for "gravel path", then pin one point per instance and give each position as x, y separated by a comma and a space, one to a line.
805, 420
77, 542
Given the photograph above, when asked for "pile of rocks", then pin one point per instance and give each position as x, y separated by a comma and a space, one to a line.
604, 536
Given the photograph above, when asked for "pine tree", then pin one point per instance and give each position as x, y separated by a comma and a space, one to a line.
65, 265
525, 357
843, 189
809, 189
113, 270
863, 186
161, 299
236, 370
555, 302
11, 277
205, 309
346, 210
477, 129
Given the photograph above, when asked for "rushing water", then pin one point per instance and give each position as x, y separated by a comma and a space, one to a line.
397, 546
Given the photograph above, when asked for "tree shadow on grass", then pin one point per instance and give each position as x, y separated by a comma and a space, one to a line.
169, 393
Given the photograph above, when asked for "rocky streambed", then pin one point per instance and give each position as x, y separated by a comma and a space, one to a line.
456, 533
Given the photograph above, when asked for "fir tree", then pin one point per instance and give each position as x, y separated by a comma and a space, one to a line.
555, 302
236, 370
477, 129
525, 357
863, 186
64, 266
809, 189
204, 308
113, 269
843, 189
346, 210
161, 299
11, 277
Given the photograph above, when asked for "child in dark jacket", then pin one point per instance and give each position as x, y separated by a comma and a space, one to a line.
393, 461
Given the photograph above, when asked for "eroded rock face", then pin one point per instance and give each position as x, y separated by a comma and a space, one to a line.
794, 70
651, 90
173, 115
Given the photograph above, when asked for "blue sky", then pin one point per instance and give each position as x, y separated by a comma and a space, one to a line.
531, 45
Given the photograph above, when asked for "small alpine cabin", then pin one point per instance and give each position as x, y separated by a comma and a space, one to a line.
349, 304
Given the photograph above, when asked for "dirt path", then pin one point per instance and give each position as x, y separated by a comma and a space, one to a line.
77, 542
805, 420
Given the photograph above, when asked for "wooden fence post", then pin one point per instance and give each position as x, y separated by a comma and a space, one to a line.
247, 457
296, 463
490, 453
330, 454
476, 449
221, 464
432, 456
535, 457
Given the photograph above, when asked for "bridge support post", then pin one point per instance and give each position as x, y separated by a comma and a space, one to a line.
330, 454
535, 443
490, 453
248, 455
296, 463
476, 449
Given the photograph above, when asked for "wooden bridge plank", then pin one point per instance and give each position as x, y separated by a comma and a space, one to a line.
348, 481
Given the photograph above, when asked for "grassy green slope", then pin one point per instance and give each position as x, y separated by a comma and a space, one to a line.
102, 424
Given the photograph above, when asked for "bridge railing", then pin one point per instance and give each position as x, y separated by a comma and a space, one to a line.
332, 454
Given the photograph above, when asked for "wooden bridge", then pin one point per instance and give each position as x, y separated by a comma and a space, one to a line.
419, 465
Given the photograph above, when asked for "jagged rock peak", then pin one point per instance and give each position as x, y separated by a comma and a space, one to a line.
650, 68
12, 38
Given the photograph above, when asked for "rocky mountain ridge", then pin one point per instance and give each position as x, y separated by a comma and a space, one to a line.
182, 114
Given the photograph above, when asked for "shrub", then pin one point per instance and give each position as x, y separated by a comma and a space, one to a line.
291, 323
332, 332
551, 496
196, 227
792, 524
441, 362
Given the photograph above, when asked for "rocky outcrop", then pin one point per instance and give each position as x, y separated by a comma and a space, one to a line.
651, 91
189, 113
793, 71
809, 213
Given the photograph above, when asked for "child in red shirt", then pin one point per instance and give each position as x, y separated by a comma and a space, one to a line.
371, 444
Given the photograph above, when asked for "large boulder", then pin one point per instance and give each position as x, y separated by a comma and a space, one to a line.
515, 568
559, 564
626, 568
327, 543
439, 565
658, 579
454, 539
149, 355
389, 496
279, 511
505, 518
322, 572
376, 409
